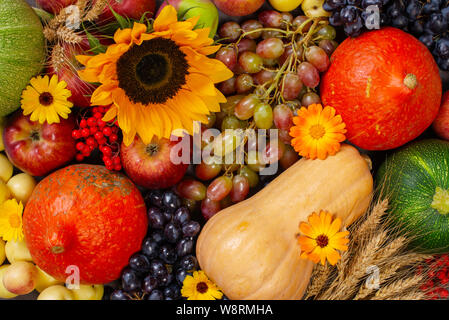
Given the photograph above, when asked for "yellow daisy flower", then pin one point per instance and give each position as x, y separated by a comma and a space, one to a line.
11, 220
46, 99
321, 238
157, 82
199, 287
317, 132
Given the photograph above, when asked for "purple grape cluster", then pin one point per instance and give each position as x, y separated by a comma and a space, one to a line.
167, 254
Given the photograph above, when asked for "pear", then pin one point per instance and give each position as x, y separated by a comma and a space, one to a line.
314, 9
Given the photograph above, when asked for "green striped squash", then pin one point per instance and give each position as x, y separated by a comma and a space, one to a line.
22, 51
415, 179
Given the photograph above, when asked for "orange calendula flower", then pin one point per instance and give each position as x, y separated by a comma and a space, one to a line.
317, 132
321, 238
157, 82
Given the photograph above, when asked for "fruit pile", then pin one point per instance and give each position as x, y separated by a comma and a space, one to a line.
135, 172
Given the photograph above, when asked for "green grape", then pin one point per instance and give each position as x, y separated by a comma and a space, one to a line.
253, 178
254, 161
229, 105
263, 116
232, 122
327, 32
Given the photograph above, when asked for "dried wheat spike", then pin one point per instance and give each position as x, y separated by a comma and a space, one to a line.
67, 35
95, 11
398, 287
49, 34
319, 278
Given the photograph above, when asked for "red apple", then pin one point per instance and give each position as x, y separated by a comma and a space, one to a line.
67, 69
38, 149
150, 166
441, 123
133, 9
239, 8
54, 6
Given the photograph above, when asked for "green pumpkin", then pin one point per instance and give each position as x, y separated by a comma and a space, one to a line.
415, 180
22, 51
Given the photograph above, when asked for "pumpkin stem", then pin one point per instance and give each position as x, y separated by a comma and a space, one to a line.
441, 201
59, 241
411, 81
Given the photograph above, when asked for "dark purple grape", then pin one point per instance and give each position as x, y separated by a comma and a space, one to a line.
139, 262
119, 295
431, 7
166, 280
150, 248
156, 219
354, 29
438, 23
445, 12
384, 19
171, 201
168, 215
335, 19
158, 269
334, 4
442, 48
167, 253
443, 64
416, 28
173, 291
180, 275
394, 11
191, 229
349, 14
149, 284
184, 246
400, 22
156, 295
172, 232
356, 3
367, 3
156, 236
328, 7
413, 9
181, 216
427, 40
130, 280
188, 263
154, 197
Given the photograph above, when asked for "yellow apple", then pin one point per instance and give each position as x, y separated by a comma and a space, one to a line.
17, 251
88, 292
57, 292
21, 186
2, 251
285, 5
5, 294
314, 9
6, 168
20, 277
44, 280
5, 193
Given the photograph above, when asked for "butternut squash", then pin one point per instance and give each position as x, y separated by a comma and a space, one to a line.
250, 250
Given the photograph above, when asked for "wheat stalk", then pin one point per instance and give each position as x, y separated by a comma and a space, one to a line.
411, 295
67, 35
95, 11
398, 287
319, 278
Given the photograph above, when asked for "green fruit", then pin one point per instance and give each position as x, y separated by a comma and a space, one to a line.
22, 51
204, 9
415, 180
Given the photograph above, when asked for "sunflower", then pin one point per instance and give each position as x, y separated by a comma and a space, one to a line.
46, 99
11, 220
321, 238
317, 132
158, 83
199, 287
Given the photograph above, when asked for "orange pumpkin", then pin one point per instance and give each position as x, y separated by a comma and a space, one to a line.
87, 217
386, 86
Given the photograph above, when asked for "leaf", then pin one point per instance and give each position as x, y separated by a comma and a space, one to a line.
94, 43
123, 22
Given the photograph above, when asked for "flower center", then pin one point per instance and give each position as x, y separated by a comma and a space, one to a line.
46, 98
153, 72
317, 131
14, 221
322, 240
202, 287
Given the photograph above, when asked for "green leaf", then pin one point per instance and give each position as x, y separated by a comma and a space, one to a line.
123, 22
94, 43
